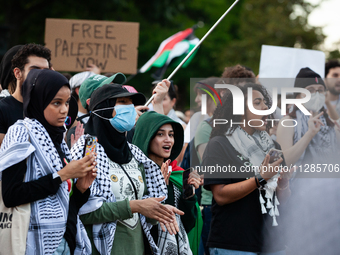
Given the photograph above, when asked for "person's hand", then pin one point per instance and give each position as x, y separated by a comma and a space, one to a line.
165, 171
160, 91
78, 168
283, 180
195, 179
172, 227
152, 208
83, 183
267, 170
140, 109
93, 68
314, 124
327, 98
79, 131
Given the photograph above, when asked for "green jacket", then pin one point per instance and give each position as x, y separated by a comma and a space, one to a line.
146, 129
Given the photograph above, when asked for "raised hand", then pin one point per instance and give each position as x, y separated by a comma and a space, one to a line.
267, 170
165, 171
79, 131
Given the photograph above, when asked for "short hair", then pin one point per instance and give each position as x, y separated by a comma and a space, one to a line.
20, 59
331, 64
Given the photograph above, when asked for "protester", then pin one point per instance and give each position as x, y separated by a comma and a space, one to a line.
240, 221
30, 56
34, 168
129, 186
332, 81
310, 144
169, 102
232, 75
313, 139
7, 79
88, 85
161, 139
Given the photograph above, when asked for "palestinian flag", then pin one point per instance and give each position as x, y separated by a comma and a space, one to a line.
176, 46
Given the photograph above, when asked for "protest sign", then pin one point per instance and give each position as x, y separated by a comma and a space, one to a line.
75, 44
285, 63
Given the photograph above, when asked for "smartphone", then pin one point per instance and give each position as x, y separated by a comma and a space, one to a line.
275, 155
90, 145
188, 189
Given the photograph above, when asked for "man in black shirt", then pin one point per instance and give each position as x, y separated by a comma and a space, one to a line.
30, 56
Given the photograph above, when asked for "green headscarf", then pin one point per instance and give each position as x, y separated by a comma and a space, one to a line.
147, 127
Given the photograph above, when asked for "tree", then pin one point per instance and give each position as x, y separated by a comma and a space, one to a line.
237, 39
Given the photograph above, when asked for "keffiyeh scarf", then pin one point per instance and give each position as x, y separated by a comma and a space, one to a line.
103, 234
323, 145
254, 148
174, 244
29, 139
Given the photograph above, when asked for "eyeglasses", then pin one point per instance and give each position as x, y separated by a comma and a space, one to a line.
320, 91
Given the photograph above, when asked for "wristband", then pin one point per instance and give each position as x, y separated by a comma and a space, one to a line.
261, 181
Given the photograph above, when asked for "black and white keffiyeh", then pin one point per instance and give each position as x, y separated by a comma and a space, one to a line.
103, 234
255, 148
49, 215
174, 244
322, 147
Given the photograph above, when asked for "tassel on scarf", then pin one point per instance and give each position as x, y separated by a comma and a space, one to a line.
262, 202
276, 200
269, 204
274, 222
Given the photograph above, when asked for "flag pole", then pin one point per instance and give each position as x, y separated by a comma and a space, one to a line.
196, 46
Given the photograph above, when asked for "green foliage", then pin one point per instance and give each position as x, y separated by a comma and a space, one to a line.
237, 39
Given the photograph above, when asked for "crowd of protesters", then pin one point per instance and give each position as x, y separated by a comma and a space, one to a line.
126, 197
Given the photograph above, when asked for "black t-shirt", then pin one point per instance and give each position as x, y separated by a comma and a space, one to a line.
239, 225
11, 110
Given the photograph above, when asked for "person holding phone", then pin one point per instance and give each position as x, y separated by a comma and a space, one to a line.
36, 168
161, 139
245, 208
126, 195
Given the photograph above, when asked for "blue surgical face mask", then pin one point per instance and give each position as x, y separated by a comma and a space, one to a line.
125, 118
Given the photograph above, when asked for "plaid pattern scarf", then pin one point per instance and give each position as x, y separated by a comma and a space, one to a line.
48, 215
103, 234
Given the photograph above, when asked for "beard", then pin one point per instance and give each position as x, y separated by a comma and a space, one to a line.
333, 91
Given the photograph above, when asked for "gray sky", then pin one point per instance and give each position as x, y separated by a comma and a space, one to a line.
327, 15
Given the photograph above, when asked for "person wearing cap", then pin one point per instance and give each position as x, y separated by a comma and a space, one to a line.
313, 139
75, 83
28, 57
129, 186
36, 168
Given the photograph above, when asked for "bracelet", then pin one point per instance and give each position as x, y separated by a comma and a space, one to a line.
285, 187
257, 182
260, 179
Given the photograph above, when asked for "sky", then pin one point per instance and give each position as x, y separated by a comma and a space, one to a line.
327, 15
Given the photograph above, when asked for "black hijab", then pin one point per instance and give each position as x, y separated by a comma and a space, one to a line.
114, 143
39, 89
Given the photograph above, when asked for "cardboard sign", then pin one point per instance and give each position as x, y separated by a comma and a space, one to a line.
75, 44
285, 63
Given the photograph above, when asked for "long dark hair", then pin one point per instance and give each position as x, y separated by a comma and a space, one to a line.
225, 111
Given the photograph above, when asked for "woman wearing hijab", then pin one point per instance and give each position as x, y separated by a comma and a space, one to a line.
161, 139
34, 151
129, 186
246, 198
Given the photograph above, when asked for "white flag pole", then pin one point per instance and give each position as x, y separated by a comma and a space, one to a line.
197, 45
